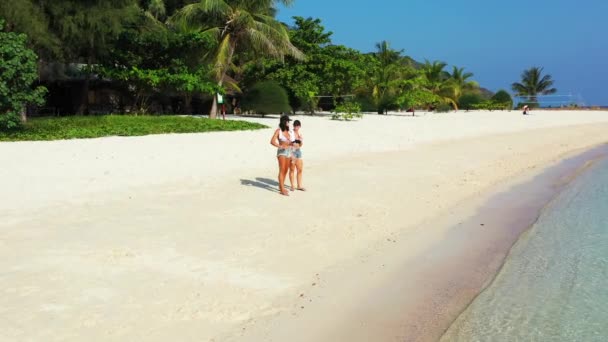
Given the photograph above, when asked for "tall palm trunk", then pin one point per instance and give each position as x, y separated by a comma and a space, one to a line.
83, 107
213, 113
84, 97
220, 82
23, 114
188, 104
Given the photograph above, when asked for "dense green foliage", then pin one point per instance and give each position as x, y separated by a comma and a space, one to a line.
470, 101
502, 96
77, 127
475, 100
238, 26
266, 98
328, 70
17, 74
443, 108
381, 81
174, 56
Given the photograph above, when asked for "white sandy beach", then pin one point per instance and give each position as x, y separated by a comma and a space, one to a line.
185, 238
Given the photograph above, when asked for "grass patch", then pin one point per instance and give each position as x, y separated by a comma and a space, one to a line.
79, 127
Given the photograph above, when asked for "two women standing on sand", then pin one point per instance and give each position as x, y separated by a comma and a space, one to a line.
289, 155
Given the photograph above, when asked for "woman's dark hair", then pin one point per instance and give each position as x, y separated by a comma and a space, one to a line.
283, 123
297, 123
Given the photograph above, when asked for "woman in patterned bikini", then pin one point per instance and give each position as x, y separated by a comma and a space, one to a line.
282, 139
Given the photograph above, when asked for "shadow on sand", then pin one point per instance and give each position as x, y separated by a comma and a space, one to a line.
262, 183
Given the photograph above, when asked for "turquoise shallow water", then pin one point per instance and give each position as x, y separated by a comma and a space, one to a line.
554, 283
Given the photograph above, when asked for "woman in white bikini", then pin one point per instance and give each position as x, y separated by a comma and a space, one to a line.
297, 165
282, 140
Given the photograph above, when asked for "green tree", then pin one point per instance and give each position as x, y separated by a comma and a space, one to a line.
154, 61
468, 101
238, 26
342, 70
29, 17
385, 76
502, 97
328, 70
461, 82
87, 29
18, 71
266, 97
417, 98
533, 83
308, 35
435, 74
439, 82
301, 78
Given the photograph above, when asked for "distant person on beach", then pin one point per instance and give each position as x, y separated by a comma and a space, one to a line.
297, 165
282, 139
526, 109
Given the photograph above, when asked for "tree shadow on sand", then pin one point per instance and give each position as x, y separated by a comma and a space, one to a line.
262, 183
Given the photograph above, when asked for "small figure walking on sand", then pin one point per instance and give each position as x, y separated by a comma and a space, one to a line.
526, 109
297, 165
282, 140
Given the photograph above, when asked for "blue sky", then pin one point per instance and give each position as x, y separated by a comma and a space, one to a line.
496, 40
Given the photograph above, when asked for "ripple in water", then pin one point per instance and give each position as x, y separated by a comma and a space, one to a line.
554, 284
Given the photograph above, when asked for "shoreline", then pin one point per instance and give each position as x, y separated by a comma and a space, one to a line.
382, 310
542, 190
544, 265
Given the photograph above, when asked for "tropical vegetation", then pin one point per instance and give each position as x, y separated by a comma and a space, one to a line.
17, 74
77, 127
266, 97
177, 56
533, 84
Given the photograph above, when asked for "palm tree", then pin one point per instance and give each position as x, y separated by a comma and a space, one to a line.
385, 76
386, 55
434, 72
238, 26
438, 81
156, 9
532, 84
460, 80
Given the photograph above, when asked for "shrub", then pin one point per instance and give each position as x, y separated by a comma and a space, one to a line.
504, 98
79, 127
491, 105
468, 101
266, 97
347, 111
18, 71
443, 108
418, 98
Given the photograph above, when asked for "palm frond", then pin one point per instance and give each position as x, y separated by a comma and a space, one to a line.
533, 83
215, 7
223, 57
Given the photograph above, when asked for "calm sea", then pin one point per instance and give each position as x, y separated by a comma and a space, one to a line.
554, 283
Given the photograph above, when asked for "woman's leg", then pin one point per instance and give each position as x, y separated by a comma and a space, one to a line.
292, 172
286, 163
282, 173
300, 169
